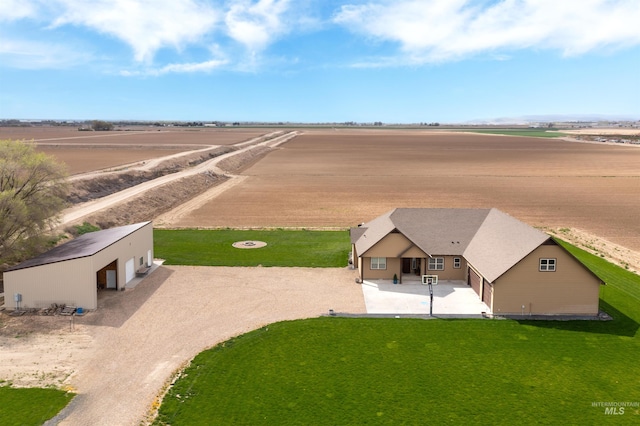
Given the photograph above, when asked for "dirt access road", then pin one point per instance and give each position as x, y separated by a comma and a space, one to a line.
76, 213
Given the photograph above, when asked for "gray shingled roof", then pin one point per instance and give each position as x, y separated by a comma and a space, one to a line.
490, 240
83, 246
500, 243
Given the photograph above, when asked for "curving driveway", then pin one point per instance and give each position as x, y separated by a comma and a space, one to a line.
142, 336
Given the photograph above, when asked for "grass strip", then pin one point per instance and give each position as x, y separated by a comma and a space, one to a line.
324, 249
30, 406
534, 133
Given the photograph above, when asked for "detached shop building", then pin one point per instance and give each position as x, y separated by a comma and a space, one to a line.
513, 268
72, 273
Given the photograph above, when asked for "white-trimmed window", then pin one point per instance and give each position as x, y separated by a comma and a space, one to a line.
436, 263
456, 262
378, 263
547, 265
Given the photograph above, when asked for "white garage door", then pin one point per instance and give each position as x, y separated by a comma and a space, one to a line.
130, 270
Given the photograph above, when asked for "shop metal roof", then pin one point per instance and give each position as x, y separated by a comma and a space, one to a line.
84, 246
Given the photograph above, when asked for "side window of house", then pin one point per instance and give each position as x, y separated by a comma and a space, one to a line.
141, 261
378, 263
456, 262
547, 265
436, 264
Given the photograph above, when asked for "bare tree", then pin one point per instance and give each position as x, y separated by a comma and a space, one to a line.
101, 125
32, 194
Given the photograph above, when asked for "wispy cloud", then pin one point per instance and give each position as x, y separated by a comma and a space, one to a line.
192, 67
256, 25
443, 30
145, 25
26, 54
16, 9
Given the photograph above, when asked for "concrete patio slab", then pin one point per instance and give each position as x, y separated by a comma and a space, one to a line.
412, 297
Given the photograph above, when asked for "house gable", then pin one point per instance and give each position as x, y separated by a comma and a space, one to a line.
570, 289
413, 251
394, 244
367, 235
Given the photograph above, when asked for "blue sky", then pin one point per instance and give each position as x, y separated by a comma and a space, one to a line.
401, 61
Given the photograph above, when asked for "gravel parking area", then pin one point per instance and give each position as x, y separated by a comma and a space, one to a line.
138, 338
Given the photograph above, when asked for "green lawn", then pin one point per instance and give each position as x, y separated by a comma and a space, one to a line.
538, 133
329, 371
30, 406
327, 249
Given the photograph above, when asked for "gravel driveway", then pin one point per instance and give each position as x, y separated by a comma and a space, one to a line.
141, 336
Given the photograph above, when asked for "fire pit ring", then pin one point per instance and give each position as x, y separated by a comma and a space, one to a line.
249, 244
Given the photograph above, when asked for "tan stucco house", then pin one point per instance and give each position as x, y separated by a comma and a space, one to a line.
72, 273
514, 268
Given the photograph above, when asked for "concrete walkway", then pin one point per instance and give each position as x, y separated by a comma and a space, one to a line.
412, 297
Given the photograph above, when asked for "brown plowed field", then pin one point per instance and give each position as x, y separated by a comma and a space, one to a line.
341, 178
89, 151
88, 159
151, 136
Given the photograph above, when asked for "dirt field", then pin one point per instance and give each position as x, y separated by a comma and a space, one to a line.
87, 151
599, 131
135, 136
90, 158
339, 179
